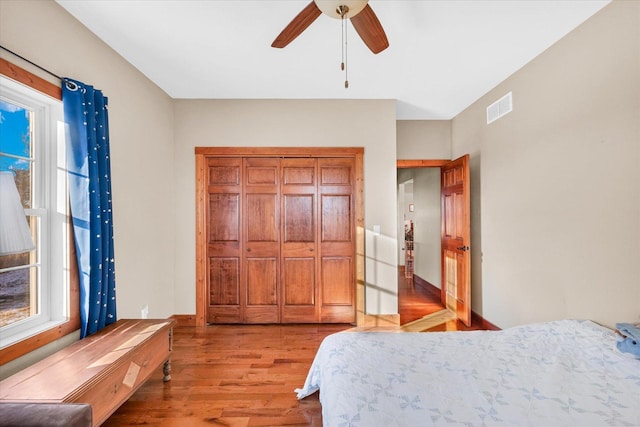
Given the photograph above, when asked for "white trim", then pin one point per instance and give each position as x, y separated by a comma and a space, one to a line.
49, 187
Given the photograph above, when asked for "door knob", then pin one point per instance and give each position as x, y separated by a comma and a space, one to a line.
463, 248
248, 249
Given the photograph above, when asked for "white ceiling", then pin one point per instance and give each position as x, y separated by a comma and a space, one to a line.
443, 55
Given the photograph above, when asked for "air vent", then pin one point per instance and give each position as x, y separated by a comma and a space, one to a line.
499, 108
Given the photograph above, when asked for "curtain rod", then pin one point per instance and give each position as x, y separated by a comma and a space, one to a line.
31, 62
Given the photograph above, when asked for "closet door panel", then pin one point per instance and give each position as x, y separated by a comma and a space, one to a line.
262, 225
224, 214
224, 207
298, 218
336, 218
336, 291
280, 236
299, 241
261, 240
224, 277
299, 281
337, 239
262, 280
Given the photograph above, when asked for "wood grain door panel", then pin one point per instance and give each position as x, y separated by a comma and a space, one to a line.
262, 290
336, 277
456, 236
298, 212
261, 254
337, 239
336, 218
224, 279
224, 290
299, 289
299, 281
262, 224
299, 241
280, 236
224, 190
224, 214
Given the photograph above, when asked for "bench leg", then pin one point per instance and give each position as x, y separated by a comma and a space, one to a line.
167, 370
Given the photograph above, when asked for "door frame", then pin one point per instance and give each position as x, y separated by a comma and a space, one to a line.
201, 153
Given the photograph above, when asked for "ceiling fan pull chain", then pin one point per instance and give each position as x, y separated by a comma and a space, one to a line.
346, 52
343, 10
342, 41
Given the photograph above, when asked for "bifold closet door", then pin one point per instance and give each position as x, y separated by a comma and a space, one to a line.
223, 230
299, 241
261, 225
336, 187
280, 240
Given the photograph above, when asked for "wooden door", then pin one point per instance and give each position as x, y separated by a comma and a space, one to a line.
299, 241
223, 207
261, 241
456, 233
336, 231
276, 236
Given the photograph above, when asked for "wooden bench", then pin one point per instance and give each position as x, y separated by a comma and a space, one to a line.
103, 370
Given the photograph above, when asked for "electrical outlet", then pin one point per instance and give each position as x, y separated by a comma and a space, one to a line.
145, 312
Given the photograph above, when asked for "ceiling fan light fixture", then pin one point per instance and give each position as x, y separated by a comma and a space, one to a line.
332, 7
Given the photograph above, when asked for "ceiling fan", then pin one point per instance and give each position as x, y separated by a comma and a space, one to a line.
362, 17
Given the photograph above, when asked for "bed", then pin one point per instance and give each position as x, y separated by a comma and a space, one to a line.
563, 373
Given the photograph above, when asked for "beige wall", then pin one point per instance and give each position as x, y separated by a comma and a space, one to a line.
423, 139
297, 123
426, 200
141, 130
559, 180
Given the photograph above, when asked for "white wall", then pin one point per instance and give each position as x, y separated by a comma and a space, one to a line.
286, 123
556, 183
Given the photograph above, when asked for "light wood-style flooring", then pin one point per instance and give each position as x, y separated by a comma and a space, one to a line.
245, 375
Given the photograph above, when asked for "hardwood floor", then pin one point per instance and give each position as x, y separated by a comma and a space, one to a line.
231, 375
245, 375
415, 301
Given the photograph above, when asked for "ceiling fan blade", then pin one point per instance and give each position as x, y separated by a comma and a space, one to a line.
297, 26
370, 30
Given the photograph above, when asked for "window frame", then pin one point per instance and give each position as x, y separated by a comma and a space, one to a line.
72, 323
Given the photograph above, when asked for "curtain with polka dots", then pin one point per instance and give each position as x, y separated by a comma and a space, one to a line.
89, 178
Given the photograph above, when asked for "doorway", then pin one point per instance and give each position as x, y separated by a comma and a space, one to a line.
440, 209
419, 245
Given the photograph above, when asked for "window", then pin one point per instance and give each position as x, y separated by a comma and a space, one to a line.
19, 273
35, 286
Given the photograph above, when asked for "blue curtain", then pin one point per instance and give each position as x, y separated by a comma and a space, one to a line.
89, 173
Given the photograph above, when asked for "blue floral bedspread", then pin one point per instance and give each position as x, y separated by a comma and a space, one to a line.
564, 373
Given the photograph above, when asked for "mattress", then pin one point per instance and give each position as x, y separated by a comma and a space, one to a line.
563, 373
